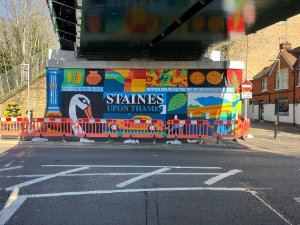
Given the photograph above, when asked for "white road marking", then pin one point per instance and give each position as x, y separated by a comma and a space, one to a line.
221, 176
136, 191
132, 166
270, 207
11, 168
37, 180
8, 212
142, 176
297, 199
107, 174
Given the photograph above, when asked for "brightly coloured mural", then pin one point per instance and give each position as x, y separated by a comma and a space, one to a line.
141, 93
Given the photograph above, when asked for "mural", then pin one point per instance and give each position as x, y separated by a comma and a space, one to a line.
207, 78
166, 78
147, 94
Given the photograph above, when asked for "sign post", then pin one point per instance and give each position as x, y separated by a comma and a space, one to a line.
246, 94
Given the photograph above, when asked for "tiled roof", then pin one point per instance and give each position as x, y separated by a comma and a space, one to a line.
265, 72
290, 56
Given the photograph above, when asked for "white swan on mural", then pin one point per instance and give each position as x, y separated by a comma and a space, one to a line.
83, 103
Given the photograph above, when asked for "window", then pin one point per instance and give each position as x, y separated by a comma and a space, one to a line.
264, 83
282, 79
299, 78
283, 107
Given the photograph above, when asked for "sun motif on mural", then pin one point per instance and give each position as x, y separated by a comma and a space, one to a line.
214, 77
197, 78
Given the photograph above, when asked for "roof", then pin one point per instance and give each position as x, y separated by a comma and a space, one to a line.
292, 57
264, 73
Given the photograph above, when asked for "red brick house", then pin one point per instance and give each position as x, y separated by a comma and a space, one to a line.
278, 83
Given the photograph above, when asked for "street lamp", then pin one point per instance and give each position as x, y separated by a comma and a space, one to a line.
25, 69
276, 122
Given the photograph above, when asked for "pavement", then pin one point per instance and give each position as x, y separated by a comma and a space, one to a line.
286, 143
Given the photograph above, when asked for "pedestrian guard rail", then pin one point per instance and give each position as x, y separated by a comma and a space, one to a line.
196, 129
14, 127
227, 129
93, 128
141, 128
96, 128
246, 128
51, 127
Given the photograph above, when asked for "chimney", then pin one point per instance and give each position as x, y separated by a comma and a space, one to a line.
285, 45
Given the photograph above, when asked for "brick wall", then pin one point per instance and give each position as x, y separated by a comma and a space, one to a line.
38, 99
269, 96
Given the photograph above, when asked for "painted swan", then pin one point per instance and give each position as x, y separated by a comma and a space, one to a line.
83, 103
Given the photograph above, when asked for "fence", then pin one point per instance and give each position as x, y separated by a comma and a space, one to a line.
13, 127
52, 127
142, 128
188, 129
227, 129
96, 128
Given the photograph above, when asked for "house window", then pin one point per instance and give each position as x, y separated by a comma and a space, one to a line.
299, 78
264, 83
282, 79
283, 107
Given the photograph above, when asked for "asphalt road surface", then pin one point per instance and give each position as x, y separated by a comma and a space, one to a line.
120, 185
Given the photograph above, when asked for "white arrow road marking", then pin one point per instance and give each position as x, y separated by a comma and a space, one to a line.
221, 176
11, 168
9, 211
37, 180
143, 176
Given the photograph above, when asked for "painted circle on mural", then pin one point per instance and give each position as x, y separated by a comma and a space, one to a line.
197, 78
214, 77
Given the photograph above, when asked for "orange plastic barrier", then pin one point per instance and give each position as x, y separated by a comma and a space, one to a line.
96, 128
141, 128
14, 127
227, 129
246, 128
188, 129
52, 127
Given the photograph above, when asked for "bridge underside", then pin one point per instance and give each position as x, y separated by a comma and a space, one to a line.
159, 30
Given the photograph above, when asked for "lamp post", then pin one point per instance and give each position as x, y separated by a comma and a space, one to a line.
25, 69
276, 121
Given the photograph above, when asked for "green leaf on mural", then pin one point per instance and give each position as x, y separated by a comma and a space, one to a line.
177, 102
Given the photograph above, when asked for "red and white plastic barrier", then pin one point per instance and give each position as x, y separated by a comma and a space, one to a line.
246, 128
196, 129
14, 127
141, 128
227, 129
96, 128
52, 127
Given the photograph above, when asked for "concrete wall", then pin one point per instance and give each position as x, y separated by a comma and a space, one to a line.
38, 99
269, 113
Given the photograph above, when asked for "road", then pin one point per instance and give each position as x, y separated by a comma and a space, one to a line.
118, 184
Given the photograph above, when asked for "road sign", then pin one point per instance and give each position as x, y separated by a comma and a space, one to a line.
246, 95
246, 86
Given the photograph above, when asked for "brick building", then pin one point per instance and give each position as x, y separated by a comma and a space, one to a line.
279, 84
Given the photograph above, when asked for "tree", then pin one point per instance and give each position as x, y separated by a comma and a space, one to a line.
26, 34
